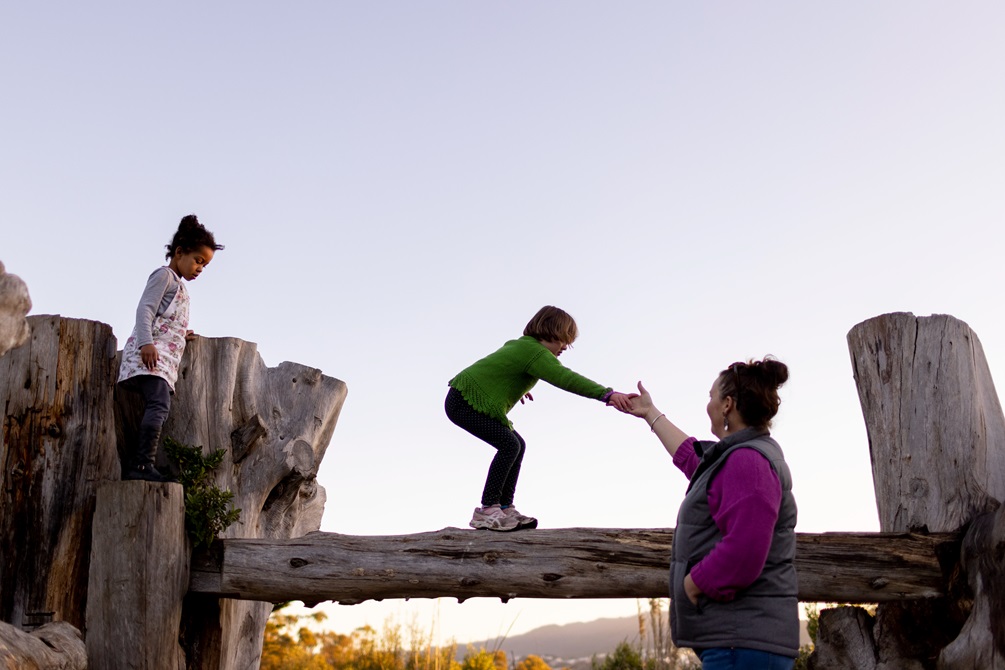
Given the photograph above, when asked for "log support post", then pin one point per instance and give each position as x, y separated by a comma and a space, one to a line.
937, 443
57, 444
138, 578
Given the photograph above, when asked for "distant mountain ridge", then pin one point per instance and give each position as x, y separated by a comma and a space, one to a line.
569, 641
573, 645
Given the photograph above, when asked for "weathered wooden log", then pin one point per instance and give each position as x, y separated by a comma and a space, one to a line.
935, 425
138, 577
937, 442
14, 306
57, 445
844, 641
274, 425
560, 563
54, 646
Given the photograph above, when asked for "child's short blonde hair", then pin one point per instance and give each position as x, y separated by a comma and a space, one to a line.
552, 324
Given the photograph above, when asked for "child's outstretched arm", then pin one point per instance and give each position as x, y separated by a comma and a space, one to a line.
548, 368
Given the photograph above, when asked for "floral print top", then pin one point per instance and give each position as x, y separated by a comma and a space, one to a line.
169, 330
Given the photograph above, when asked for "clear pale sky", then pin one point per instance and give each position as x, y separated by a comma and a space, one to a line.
401, 185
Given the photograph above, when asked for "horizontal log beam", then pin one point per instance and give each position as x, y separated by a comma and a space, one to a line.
559, 563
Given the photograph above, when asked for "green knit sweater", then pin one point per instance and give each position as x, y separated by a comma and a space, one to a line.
496, 383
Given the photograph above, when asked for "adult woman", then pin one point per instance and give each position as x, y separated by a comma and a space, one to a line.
733, 583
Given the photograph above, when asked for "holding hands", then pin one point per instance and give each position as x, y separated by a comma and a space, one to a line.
637, 404
622, 401
641, 404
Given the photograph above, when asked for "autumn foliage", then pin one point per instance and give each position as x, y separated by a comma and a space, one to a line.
295, 642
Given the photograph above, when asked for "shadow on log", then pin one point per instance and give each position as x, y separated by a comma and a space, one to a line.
981, 643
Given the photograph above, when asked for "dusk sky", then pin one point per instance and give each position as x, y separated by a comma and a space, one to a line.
401, 185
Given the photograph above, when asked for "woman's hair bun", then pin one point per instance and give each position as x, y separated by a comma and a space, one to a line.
775, 372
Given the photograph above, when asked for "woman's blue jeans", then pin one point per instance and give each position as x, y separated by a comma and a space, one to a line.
725, 658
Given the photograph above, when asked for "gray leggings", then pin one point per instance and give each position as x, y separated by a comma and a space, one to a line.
500, 484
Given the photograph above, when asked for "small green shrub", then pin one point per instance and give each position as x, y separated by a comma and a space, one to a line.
208, 509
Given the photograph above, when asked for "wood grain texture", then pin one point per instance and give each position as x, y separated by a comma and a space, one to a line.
274, 425
138, 577
56, 446
845, 640
934, 421
54, 646
559, 563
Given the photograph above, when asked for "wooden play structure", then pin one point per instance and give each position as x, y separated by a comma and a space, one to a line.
101, 569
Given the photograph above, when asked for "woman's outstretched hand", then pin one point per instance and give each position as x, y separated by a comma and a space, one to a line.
642, 403
670, 435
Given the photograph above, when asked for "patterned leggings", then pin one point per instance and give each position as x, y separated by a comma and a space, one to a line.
500, 484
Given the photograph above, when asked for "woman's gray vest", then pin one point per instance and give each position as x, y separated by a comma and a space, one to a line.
763, 616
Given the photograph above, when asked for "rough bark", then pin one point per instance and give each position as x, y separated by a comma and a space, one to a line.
54, 646
15, 304
844, 641
274, 425
56, 447
560, 563
935, 425
138, 577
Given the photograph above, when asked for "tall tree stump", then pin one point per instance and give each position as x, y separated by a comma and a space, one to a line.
139, 574
935, 425
57, 445
274, 425
937, 443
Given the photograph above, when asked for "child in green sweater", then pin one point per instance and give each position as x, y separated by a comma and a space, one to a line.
482, 394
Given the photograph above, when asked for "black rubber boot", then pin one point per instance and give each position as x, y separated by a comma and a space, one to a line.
143, 463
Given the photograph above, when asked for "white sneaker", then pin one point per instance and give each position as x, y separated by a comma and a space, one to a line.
493, 518
522, 520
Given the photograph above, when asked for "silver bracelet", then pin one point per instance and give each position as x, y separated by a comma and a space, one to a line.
654, 422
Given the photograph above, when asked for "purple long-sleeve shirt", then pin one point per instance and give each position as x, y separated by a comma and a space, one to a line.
744, 497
